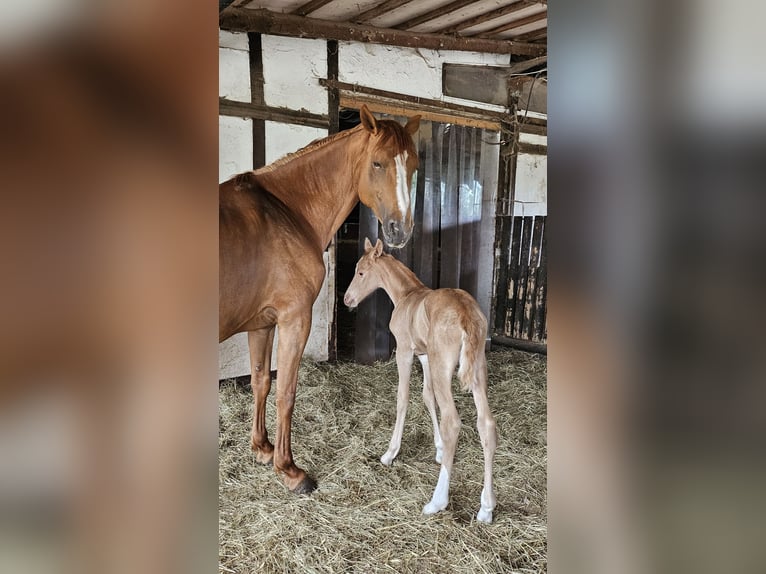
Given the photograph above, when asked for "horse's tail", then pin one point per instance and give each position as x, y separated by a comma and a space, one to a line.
472, 358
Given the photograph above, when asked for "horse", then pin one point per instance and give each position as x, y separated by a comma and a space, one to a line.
441, 327
274, 224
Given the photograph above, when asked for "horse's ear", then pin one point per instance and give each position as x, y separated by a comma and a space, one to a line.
367, 245
378, 251
368, 120
413, 124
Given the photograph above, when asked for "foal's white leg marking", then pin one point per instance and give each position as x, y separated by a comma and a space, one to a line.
487, 506
404, 365
441, 494
402, 189
428, 399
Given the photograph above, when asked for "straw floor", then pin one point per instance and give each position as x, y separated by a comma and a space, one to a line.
366, 517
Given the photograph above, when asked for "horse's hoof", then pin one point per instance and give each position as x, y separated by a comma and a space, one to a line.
306, 486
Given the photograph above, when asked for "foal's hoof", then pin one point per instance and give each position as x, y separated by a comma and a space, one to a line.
306, 486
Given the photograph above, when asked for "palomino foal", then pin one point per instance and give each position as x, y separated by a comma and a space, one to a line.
441, 327
274, 224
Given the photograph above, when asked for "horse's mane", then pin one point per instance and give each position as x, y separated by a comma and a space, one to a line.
387, 129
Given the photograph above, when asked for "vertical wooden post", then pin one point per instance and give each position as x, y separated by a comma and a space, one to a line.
256, 97
333, 113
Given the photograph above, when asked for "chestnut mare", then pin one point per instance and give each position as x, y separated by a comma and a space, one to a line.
274, 224
441, 327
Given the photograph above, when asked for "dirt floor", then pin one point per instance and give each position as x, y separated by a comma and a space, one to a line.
366, 517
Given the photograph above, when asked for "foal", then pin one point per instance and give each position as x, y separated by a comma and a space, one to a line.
441, 327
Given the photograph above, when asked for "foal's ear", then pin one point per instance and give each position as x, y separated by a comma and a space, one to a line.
368, 120
412, 125
378, 251
367, 245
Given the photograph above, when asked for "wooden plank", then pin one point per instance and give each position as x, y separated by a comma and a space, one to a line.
532, 35
433, 14
539, 321
499, 275
512, 262
267, 22
521, 344
333, 94
487, 16
533, 149
383, 106
514, 24
379, 10
529, 297
247, 110
439, 106
429, 252
520, 278
310, 7
524, 65
255, 52
479, 83
419, 211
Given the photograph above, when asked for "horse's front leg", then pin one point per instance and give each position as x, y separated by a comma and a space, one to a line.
293, 334
404, 365
261, 343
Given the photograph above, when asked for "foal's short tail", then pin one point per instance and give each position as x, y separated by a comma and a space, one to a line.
472, 357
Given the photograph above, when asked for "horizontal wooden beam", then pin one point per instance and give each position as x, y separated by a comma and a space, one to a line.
521, 344
267, 22
261, 112
354, 89
524, 65
533, 149
399, 108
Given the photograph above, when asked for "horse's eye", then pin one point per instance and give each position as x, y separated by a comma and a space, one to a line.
376, 165
361, 274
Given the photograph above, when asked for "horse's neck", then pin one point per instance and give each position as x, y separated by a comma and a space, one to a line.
320, 185
397, 280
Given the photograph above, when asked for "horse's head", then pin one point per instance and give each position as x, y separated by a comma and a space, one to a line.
366, 276
387, 164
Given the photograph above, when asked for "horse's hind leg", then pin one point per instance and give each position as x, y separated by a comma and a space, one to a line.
428, 399
442, 367
261, 343
485, 424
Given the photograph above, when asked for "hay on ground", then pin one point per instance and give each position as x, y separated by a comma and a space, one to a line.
366, 517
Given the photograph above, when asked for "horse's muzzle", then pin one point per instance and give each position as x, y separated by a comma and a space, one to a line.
395, 234
349, 302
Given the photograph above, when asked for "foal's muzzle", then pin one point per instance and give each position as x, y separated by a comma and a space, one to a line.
396, 234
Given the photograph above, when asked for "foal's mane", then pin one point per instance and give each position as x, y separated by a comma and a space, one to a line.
387, 130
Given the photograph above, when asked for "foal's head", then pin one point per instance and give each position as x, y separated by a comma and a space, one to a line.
387, 165
366, 276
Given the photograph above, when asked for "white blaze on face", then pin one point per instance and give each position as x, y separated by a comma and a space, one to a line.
402, 189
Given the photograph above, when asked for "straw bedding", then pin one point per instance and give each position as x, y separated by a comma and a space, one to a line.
366, 517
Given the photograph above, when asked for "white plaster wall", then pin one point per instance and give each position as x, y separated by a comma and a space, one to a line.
291, 71
531, 191
233, 66
416, 72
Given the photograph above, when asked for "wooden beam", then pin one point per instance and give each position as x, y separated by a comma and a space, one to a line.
533, 149
354, 89
521, 344
514, 24
397, 108
380, 9
433, 14
524, 65
310, 7
532, 35
267, 22
491, 15
488, 84
262, 112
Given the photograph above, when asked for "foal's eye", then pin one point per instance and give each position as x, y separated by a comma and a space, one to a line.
376, 165
361, 274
